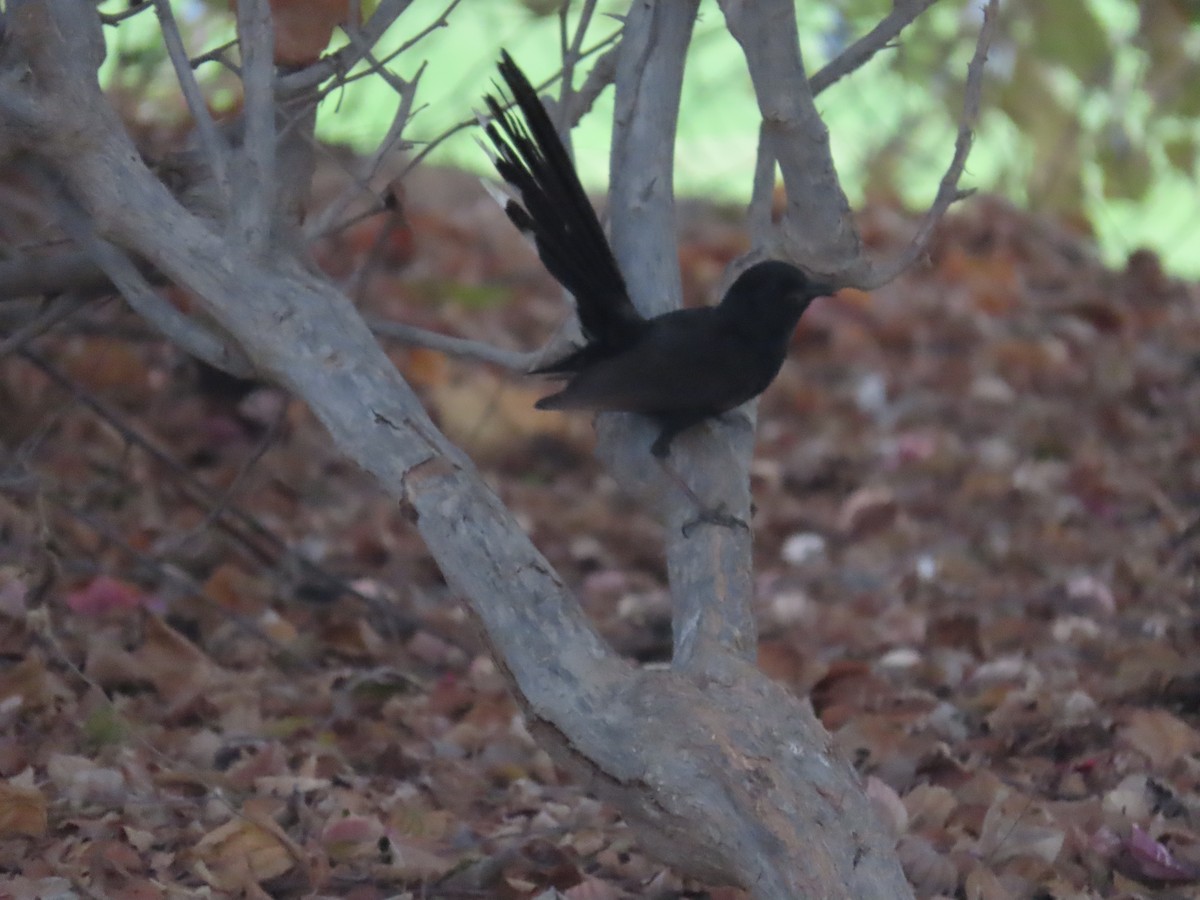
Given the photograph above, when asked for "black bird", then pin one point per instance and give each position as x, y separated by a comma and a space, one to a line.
679, 368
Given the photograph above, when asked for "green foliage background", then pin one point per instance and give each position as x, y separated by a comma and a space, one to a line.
1091, 106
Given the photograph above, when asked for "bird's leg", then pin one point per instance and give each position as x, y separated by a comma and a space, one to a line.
712, 515
717, 515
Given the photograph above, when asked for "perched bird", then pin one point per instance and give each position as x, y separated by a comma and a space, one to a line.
679, 368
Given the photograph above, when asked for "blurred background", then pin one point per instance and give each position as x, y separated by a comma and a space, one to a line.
1090, 111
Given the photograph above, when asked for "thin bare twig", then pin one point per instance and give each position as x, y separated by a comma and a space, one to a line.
347, 57
472, 122
119, 17
175, 575
461, 348
948, 190
380, 65
231, 489
218, 54
216, 148
570, 58
326, 223
55, 311
323, 223
861, 51
262, 543
320, 225
253, 213
390, 78
602, 74
373, 258
440, 22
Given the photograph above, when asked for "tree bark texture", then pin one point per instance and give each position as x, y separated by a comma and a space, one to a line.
725, 774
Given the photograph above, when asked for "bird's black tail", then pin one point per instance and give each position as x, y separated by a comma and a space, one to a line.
556, 212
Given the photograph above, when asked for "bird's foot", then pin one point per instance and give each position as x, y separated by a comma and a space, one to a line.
713, 515
705, 515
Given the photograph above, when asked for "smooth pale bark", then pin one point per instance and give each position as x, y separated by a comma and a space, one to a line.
725, 774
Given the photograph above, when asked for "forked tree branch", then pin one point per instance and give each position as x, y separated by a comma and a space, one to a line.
727, 775
570, 50
709, 569
339, 64
817, 228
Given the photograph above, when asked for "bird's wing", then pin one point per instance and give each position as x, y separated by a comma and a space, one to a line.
555, 211
680, 362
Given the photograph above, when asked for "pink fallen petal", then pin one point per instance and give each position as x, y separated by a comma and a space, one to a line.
1154, 860
104, 595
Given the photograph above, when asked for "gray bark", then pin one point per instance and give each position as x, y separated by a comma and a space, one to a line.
727, 775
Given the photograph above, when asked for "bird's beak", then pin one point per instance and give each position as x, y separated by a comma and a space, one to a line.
823, 289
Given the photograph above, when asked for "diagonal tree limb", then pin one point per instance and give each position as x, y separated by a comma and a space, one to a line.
858, 54
188, 333
727, 775
311, 340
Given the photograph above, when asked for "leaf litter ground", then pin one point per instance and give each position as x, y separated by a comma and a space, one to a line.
229, 667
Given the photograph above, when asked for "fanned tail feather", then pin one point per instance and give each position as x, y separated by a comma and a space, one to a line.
555, 211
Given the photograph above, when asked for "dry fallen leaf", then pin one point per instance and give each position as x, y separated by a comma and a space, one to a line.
239, 853
22, 810
1016, 825
1159, 736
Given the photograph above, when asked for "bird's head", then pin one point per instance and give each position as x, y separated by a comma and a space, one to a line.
773, 294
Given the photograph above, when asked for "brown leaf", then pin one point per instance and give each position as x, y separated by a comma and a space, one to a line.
240, 853
1160, 737
1016, 826
22, 810
176, 667
932, 873
929, 806
867, 510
